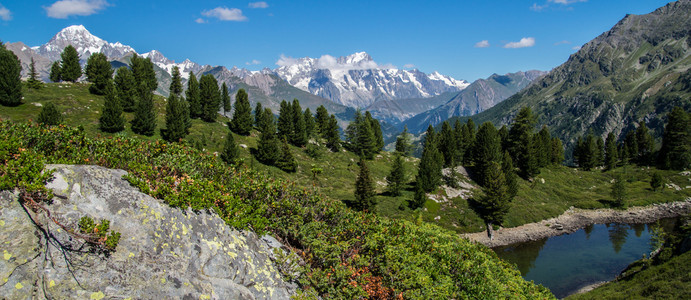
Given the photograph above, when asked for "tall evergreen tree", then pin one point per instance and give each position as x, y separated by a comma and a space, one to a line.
543, 144
242, 116
557, 151
487, 150
364, 189
521, 143
144, 121
286, 161
70, 70
586, 152
176, 82
646, 145
176, 89
656, 181
230, 150
309, 123
143, 71
49, 115
111, 119
403, 142
298, 136
469, 142
332, 135
504, 138
631, 143
267, 147
55, 71
376, 131
419, 198
351, 133
365, 141
258, 112
447, 145
285, 120
611, 151
193, 97
210, 97
396, 178
99, 72
175, 122
460, 142
509, 175
33, 82
225, 100
10, 78
495, 201
619, 191
676, 141
322, 119
600, 152
126, 89
429, 170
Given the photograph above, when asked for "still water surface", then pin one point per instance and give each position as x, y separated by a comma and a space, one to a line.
594, 254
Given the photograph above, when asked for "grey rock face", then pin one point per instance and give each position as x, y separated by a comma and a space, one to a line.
164, 252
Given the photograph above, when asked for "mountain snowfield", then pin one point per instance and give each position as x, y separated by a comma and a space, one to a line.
357, 80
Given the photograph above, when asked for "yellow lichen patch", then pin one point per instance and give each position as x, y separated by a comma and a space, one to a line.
18, 286
2, 222
232, 255
184, 229
119, 212
163, 280
97, 295
213, 243
164, 245
186, 284
51, 283
145, 221
204, 297
131, 254
177, 236
6, 255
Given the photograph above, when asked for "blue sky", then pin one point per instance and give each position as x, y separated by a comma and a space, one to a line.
464, 39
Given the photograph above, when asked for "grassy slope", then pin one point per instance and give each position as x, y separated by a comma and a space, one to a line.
564, 187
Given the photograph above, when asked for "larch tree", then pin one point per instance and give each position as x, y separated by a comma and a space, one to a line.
33, 82
322, 119
447, 144
258, 111
646, 145
143, 71
70, 70
298, 136
611, 151
286, 161
495, 201
241, 123
99, 72
285, 120
403, 142
176, 89
521, 142
309, 123
332, 135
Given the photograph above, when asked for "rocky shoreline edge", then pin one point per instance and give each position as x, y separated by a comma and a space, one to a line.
575, 219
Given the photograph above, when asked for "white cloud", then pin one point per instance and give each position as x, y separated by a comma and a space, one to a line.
536, 7
65, 8
286, 61
260, 4
409, 66
482, 44
5, 13
225, 14
253, 62
330, 62
200, 21
524, 42
562, 43
566, 2
576, 48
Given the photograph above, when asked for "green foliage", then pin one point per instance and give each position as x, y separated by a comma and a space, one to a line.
376, 130
126, 89
286, 161
309, 123
586, 153
611, 152
144, 121
230, 150
285, 120
10, 78
225, 100
557, 151
521, 143
111, 119
322, 119
99, 72
332, 135
360, 138
143, 72
487, 150
33, 82
510, 176
429, 170
49, 115
448, 145
176, 82
193, 97
258, 111
495, 200
403, 142
298, 136
70, 70
99, 235
646, 145
676, 142
210, 97
396, 178
267, 146
364, 189
619, 191
656, 181
175, 119
55, 71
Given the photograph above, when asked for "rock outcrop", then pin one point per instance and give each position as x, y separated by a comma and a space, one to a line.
164, 252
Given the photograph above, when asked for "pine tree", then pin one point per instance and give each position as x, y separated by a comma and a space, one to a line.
631, 143
521, 144
176, 89
230, 150
419, 198
49, 115
495, 202
55, 71
403, 142
656, 181
258, 111
10, 78
70, 70
267, 147
143, 71
322, 119
447, 145
586, 152
600, 152
193, 97
509, 175
309, 123
99, 72
429, 170
126, 89
376, 131
468, 142
332, 135
242, 114
175, 122
619, 191
144, 121
611, 151
111, 119
487, 150
364, 189
225, 99
33, 82
365, 144
176, 82
210, 97
285, 120
646, 145
286, 161
396, 178
676, 141
557, 151
298, 136
351, 133
543, 144
504, 138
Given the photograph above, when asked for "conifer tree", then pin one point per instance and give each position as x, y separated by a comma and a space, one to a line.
521, 143
504, 137
210, 98
396, 178
376, 132
600, 152
242, 116
175, 122
144, 121
176, 82
468, 142
656, 181
322, 119
487, 150
364, 189
143, 71
111, 119
676, 141
332, 135
258, 111
225, 100
619, 191
230, 150
631, 143
70, 70
403, 142
447, 145
429, 170
99, 72
419, 198
543, 144
351, 133
286, 161
126, 89
495, 201
33, 82
193, 97
176, 89
509, 175
309, 123
267, 147
49, 115
55, 68
285, 120
586, 152
10, 78
557, 151
298, 136
611, 151
646, 144
458, 137
365, 143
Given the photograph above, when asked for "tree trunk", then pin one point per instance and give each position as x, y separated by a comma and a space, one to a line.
490, 232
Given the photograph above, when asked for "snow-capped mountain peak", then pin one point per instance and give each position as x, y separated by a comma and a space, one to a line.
82, 40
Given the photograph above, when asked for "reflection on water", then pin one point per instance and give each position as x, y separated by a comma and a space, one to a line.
594, 254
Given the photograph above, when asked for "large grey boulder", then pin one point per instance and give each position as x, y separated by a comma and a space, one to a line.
164, 252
